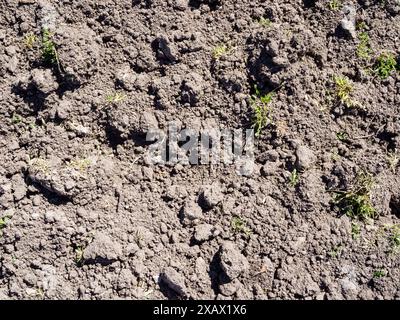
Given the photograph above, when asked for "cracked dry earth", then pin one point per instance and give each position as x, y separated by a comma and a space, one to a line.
85, 216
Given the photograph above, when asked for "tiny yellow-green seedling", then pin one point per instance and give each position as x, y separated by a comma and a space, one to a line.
334, 5
30, 40
363, 49
336, 251
385, 65
355, 230
40, 165
16, 118
343, 89
342, 136
49, 52
3, 222
379, 273
393, 161
265, 22
394, 238
239, 226
294, 178
115, 97
356, 202
220, 51
262, 111
79, 258
80, 164
361, 26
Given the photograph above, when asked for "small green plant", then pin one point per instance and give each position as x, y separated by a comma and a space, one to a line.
361, 26
80, 164
220, 51
49, 51
3, 222
40, 293
394, 237
79, 255
335, 156
294, 178
79, 250
115, 97
16, 118
364, 48
385, 64
356, 202
40, 165
30, 40
355, 230
239, 226
334, 5
19, 120
336, 251
379, 273
343, 90
393, 161
262, 111
342, 136
265, 22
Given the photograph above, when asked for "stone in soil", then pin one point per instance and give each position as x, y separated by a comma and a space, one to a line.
233, 263
102, 250
305, 158
174, 280
44, 80
211, 196
191, 213
204, 232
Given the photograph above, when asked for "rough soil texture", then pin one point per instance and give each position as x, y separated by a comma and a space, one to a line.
85, 216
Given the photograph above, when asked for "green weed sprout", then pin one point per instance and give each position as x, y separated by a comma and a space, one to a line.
356, 202
385, 64
334, 5
265, 22
355, 230
49, 52
3, 222
294, 178
363, 49
260, 104
220, 51
342, 136
115, 97
344, 88
239, 226
395, 237
30, 40
379, 273
79, 255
